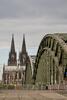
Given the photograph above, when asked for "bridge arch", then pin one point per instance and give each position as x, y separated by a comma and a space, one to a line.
51, 60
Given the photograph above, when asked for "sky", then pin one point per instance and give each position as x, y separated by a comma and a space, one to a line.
34, 18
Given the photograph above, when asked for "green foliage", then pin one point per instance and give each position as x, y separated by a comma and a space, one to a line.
11, 87
5, 86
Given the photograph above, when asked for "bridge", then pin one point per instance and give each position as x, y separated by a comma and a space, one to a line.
51, 60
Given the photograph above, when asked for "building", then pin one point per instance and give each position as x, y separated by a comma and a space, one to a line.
14, 72
12, 61
50, 63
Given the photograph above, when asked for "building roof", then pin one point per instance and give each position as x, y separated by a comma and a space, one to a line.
14, 68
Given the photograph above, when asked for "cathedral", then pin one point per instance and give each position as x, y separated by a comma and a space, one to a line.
14, 71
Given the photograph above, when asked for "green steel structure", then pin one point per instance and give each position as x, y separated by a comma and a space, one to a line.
51, 59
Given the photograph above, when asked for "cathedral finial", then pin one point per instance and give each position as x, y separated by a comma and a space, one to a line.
23, 44
12, 44
23, 35
12, 35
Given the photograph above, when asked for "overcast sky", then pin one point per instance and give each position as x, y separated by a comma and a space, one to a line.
35, 18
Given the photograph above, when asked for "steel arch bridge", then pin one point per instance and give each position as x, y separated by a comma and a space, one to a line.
51, 59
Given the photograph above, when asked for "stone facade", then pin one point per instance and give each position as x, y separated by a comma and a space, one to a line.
15, 71
13, 75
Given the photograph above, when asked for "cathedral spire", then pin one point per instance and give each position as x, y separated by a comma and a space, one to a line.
23, 54
23, 45
12, 44
12, 60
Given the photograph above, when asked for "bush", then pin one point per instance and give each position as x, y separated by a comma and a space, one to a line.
3, 86
11, 87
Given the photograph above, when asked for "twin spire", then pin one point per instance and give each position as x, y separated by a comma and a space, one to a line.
13, 45
12, 54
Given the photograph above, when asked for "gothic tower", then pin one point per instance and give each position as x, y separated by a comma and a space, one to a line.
23, 54
12, 61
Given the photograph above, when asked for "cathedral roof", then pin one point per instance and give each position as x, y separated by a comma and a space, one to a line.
14, 68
